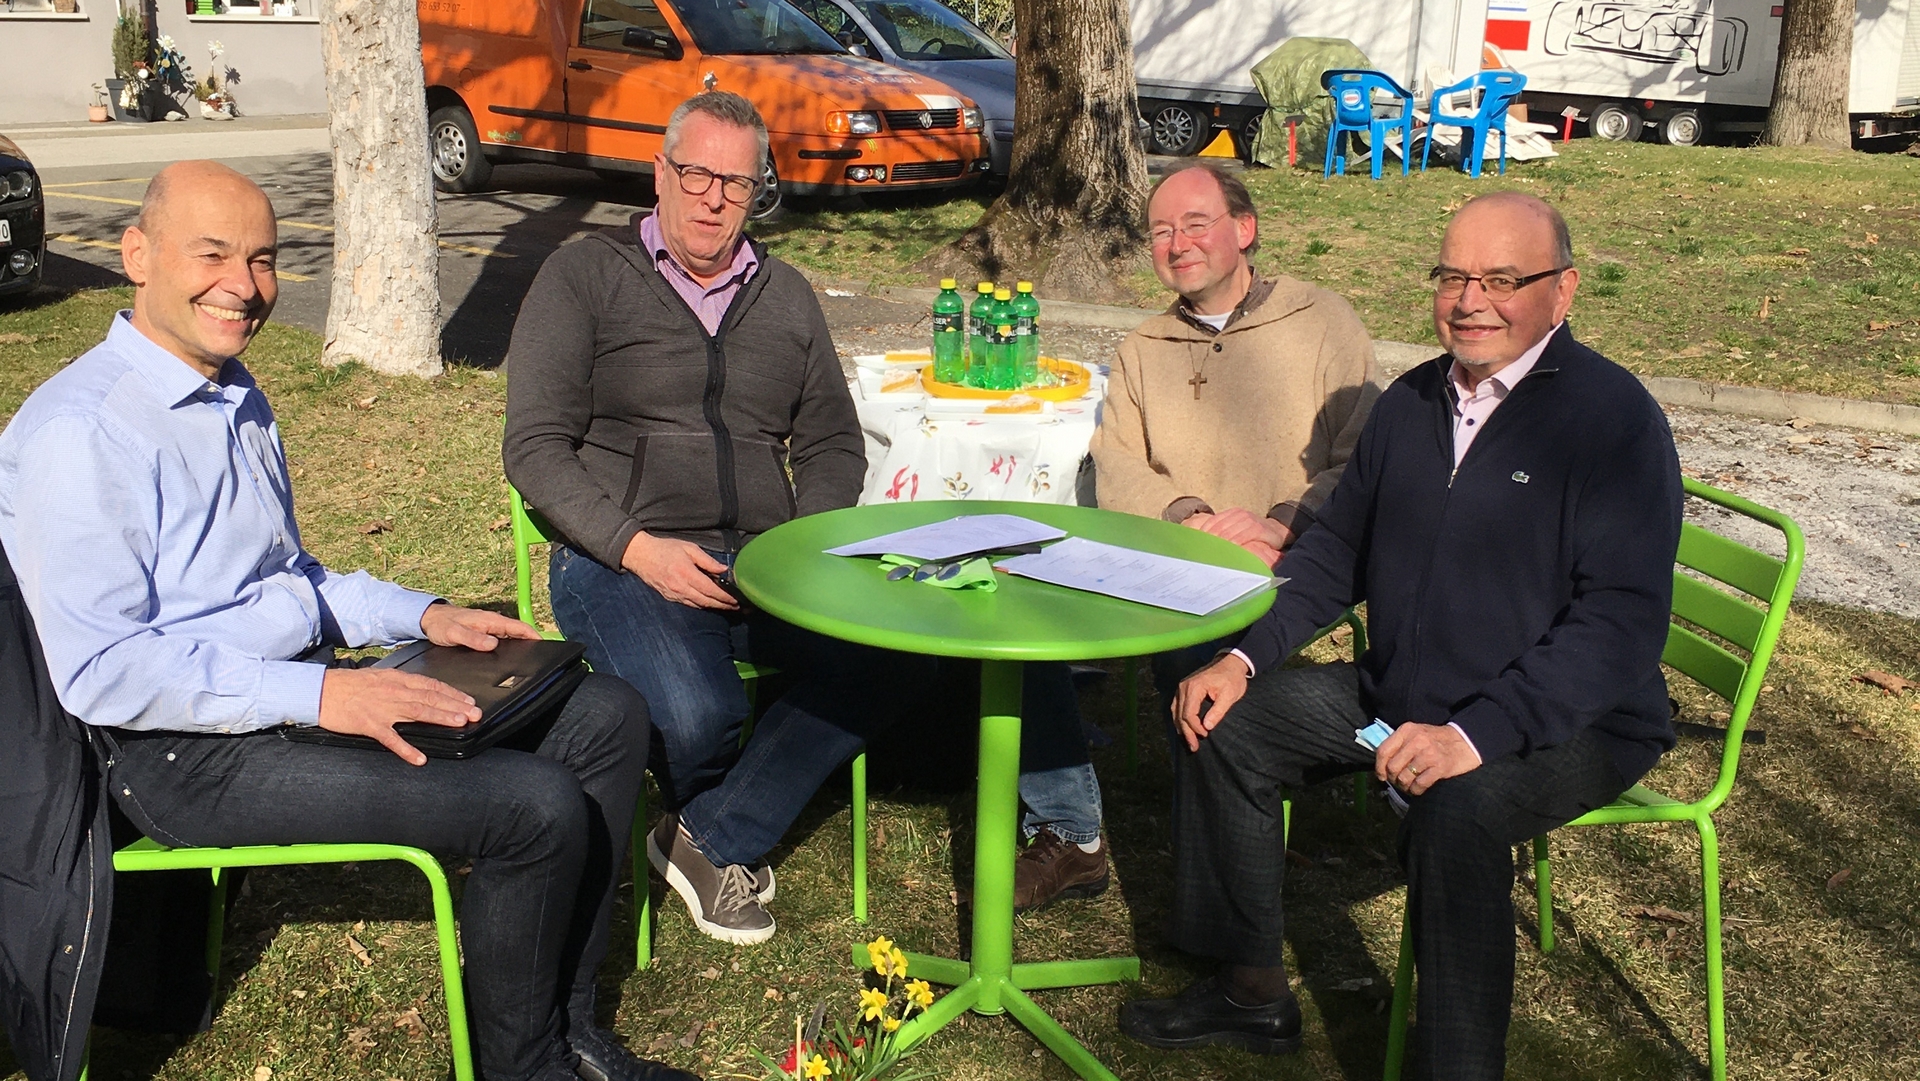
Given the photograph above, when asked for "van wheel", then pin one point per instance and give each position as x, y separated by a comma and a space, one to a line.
766, 201
1177, 130
1614, 122
458, 162
1682, 127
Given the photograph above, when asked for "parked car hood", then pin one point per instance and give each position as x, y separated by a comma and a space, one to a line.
10, 153
988, 82
835, 82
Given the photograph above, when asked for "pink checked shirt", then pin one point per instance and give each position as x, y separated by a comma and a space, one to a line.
1473, 407
710, 303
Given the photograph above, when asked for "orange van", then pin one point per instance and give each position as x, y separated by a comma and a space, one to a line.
590, 83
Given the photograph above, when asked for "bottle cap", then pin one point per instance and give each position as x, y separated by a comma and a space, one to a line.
948, 283
1002, 294
1025, 287
1004, 328
985, 287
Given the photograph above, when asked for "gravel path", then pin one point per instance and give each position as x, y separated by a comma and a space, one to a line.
1855, 494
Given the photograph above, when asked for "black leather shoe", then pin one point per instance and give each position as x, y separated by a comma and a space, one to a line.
601, 1058
1202, 1015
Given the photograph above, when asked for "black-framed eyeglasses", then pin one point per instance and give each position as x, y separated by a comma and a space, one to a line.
698, 180
1451, 283
1192, 230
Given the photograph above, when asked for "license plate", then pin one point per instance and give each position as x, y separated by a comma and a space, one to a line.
6, 231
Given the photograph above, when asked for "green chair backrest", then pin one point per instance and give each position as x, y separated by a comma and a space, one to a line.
1708, 620
529, 529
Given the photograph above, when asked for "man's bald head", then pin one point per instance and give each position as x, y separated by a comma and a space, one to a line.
201, 259
1511, 210
196, 181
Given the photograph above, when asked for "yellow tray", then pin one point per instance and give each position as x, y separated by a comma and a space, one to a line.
1077, 382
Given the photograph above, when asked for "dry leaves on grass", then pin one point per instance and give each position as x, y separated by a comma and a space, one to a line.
358, 1042
359, 952
376, 526
1886, 681
499, 524
411, 1021
1840, 878
20, 339
1661, 913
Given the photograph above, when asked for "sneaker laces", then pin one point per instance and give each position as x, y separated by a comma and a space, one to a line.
737, 890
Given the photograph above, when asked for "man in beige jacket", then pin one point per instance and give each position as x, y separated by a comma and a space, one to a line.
1236, 409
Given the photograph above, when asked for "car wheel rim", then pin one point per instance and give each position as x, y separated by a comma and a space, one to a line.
1611, 124
767, 199
1173, 127
449, 151
1683, 130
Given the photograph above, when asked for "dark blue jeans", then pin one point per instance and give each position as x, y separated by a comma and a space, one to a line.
736, 803
544, 816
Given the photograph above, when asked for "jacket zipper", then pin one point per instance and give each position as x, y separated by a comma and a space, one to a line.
86, 938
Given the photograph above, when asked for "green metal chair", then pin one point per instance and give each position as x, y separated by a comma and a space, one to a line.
149, 855
529, 529
1721, 615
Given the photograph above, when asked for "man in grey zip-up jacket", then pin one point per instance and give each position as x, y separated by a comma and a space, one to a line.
674, 393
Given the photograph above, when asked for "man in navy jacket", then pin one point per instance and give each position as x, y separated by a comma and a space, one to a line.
1510, 517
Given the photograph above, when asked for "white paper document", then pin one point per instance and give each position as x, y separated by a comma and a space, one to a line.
962, 535
1161, 581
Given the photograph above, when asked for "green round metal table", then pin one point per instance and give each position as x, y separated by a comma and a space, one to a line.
787, 573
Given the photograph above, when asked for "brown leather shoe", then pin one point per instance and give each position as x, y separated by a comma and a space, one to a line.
1050, 869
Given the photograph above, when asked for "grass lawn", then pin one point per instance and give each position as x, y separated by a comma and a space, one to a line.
1821, 841
1794, 269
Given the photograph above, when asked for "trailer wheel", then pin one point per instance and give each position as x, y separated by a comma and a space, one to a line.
1614, 122
1178, 130
1682, 127
1250, 132
458, 162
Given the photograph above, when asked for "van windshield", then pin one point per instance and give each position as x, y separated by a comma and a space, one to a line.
752, 27
928, 30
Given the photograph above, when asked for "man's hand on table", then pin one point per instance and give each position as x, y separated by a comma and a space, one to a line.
1418, 755
1216, 687
1260, 535
679, 570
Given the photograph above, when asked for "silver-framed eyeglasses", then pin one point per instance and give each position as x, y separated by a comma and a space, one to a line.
1449, 282
1193, 230
698, 180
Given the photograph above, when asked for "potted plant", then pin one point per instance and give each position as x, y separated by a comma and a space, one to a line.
213, 92
97, 112
126, 91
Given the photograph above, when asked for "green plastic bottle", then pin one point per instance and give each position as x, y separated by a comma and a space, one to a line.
978, 351
949, 335
1003, 362
1026, 335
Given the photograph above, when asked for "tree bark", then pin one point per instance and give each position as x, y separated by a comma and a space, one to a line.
384, 309
1071, 216
1810, 88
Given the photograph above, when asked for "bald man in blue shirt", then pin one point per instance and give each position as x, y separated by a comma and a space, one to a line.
146, 509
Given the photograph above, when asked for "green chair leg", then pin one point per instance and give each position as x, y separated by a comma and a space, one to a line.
1716, 975
860, 837
1543, 885
1130, 712
642, 886
1402, 1002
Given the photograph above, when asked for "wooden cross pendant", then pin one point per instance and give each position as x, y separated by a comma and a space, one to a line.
1195, 384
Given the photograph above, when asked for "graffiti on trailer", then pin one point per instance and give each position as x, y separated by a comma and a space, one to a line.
1652, 31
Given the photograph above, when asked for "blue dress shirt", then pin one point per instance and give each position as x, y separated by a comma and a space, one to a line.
149, 518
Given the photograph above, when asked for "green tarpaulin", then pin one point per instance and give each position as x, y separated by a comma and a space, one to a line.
1289, 78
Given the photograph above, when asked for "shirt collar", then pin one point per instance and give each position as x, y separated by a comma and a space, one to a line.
175, 379
745, 262
1508, 377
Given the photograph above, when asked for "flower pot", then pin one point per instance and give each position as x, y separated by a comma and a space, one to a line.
115, 97
98, 114
221, 111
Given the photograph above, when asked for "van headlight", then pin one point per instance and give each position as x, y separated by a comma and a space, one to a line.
971, 119
853, 123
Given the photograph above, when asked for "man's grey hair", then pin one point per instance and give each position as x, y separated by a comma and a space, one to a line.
1562, 237
726, 107
1239, 200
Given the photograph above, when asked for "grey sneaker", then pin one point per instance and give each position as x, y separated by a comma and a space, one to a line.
762, 873
724, 901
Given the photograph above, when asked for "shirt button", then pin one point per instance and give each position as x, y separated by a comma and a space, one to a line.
1216, 347
1469, 422
169, 756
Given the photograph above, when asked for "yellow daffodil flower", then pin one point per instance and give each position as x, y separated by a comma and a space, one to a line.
899, 961
891, 1024
817, 1068
919, 994
872, 1004
880, 952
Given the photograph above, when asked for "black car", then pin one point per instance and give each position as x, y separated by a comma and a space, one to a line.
23, 221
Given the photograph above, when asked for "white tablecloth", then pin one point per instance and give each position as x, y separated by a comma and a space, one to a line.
921, 448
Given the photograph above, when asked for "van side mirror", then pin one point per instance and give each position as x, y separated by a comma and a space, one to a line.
639, 37
861, 50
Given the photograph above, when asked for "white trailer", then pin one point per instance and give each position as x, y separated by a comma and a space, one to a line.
1681, 69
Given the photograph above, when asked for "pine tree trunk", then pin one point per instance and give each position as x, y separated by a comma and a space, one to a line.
1071, 216
384, 309
1811, 87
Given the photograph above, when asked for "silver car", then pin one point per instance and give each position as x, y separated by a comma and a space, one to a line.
931, 39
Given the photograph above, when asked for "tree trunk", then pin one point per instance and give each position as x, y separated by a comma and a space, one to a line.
1070, 218
1811, 86
384, 310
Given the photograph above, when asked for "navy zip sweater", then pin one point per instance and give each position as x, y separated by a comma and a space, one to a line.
1523, 596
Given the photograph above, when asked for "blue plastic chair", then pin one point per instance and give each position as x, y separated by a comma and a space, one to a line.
1497, 90
1353, 90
